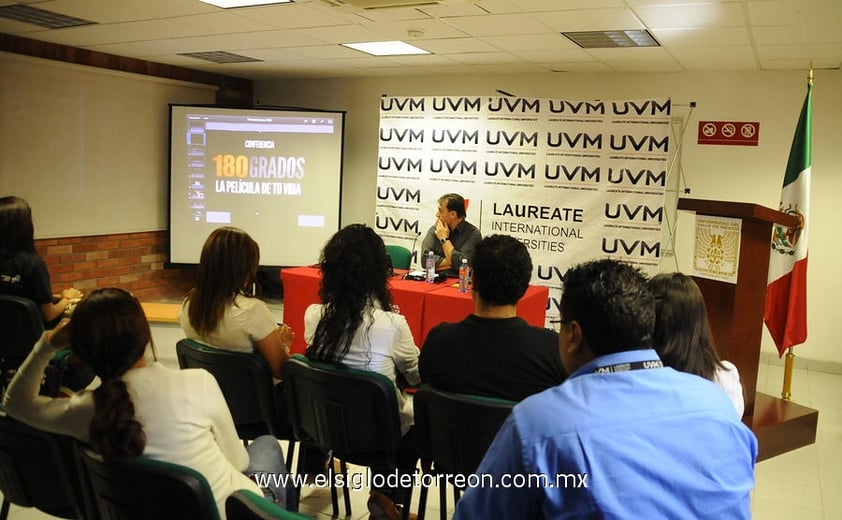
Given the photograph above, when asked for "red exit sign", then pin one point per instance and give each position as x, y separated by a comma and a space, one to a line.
737, 133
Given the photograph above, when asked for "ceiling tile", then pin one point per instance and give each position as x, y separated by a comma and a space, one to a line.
692, 15
590, 20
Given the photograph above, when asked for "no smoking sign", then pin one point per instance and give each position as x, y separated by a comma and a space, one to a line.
739, 133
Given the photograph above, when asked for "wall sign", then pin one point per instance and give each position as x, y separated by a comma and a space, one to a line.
735, 133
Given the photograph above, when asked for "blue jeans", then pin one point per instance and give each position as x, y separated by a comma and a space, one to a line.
267, 456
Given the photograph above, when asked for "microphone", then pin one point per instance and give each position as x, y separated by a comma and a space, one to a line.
414, 241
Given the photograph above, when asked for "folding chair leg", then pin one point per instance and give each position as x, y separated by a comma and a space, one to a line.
334, 499
290, 454
345, 491
422, 501
407, 505
443, 498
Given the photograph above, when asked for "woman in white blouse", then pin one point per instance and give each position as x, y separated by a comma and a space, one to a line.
683, 337
355, 326
141, 407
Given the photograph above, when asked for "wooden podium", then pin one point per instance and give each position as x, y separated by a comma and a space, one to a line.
736, 318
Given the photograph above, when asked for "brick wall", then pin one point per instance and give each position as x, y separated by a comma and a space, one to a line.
131, 261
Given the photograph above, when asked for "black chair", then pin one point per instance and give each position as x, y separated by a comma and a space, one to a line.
21, 324
246, 505
246, 383
452, 433
142, 488
351, 414
37, 470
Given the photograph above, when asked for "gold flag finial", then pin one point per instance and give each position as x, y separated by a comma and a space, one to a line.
810, 75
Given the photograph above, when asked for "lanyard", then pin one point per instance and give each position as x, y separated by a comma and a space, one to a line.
626, 367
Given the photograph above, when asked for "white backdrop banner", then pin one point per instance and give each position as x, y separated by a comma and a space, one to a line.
573, 180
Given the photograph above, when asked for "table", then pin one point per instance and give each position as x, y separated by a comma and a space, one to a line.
424, 305
301, 289
448, 304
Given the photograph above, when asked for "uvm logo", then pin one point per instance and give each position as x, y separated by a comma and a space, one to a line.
645, 177
646, 143
400, 165
641, 213
651, 108
402, 136
461, 167
580, 141
631, 248
553, 304
391, 224
457, 137
402, 105
550, 273
457, 104
402, 195
509, 170
516, 138
558, 107
512, 105
580, 173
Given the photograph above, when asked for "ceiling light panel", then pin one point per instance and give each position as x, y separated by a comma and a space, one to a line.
389, 48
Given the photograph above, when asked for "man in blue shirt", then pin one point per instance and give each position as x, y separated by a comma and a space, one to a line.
623, 436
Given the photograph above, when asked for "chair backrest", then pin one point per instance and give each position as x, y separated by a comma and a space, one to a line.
21, 324
352, 412
455, 430
143, 488
246, 505
36, 470
246, 383
401, 256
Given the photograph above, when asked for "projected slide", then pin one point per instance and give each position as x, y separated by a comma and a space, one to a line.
275, 173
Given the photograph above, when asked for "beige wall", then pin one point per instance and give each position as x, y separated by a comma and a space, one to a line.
736, 173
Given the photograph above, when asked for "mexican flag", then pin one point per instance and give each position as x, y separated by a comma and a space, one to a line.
786, 294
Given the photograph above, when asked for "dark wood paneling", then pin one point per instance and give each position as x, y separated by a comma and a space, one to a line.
232, 91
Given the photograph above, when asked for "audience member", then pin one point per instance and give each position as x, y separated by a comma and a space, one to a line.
623, 436
22, 272
451, 238
355, 326
222, 311
683, 337
492, 352
141, 407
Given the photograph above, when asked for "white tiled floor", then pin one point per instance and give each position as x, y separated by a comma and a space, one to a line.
801, 484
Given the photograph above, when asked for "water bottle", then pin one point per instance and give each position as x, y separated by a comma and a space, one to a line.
430, 266
463, 276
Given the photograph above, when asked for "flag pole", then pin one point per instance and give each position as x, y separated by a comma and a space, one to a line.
786, 389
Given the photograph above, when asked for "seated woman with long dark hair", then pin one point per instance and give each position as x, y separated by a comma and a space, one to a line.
356, 327
683, 337
22, 271
221, 310
141, 406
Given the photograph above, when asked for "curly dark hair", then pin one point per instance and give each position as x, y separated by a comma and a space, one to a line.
355, 271
227, 266
109, 333
682, 335
502, 269
612, 303
17, 233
